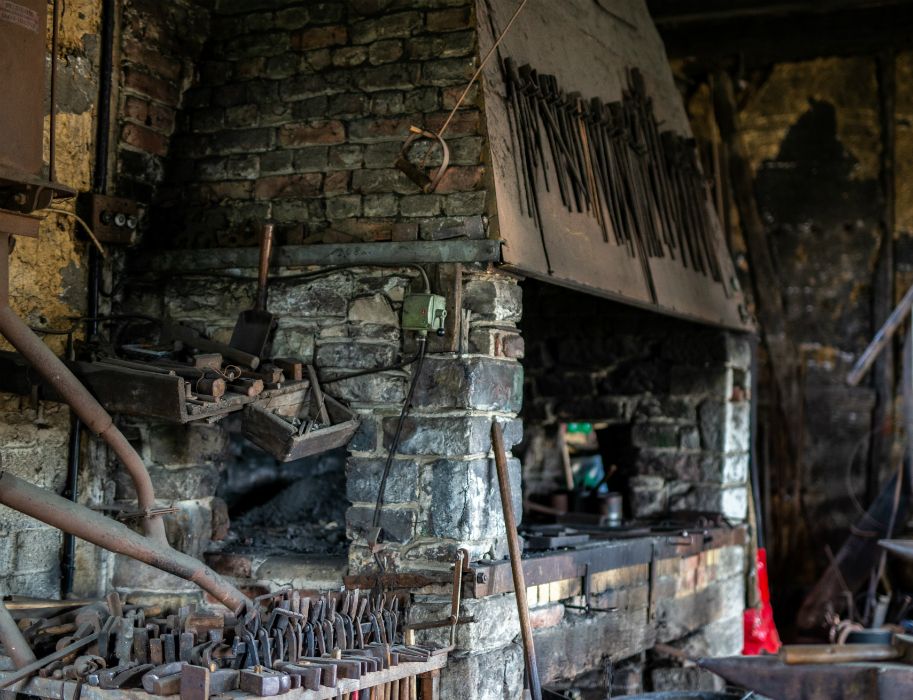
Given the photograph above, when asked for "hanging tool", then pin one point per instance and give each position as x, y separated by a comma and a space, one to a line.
254, 326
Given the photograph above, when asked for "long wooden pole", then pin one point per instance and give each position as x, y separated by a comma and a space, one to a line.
516, 564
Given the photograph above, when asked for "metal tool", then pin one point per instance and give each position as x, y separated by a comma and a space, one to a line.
255, 326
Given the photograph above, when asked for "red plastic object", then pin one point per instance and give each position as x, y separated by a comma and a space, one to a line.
760, 630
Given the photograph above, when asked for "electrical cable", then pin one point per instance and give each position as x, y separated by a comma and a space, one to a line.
394, 444
85, 226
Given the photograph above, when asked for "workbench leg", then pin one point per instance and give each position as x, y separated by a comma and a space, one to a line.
430, 685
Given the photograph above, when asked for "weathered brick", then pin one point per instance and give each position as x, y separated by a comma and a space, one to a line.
493, 299
392, 76
240, 116
319, 37
448, 435
389, 180
386, 103
277, 162
229, 95
347, 104
373, 130
421, 100
464, 123
386, 51
155, 62
478, 383
461, 178
350, 56
392, 26
345, 156
380, 205
355, 355
465, 203
447, 71
363, 480
447, 20
398, 524
454, 45
286, 186
384, 388
440, 228
337, 182
144, 139
308, 134
250, 68
344, 207
312, 158
151, 86
149, 114
420, 205
244, 141
282, 66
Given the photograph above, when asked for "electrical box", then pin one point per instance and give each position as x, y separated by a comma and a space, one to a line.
22, 92
113, 219
424, 313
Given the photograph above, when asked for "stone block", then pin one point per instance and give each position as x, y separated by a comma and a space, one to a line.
447, 71
648, 495
363, 480
444, 227
496, 343
384, 388
380, 205
39, 584
494, 675
391, 26
366, 437
738, 350
478, 383
385, 51
322, 297
463, 500
355, 355
37, 550
374, 309
344, 207
294, 341
495, 626
420, 205
397, 523
655, 435
448, 435
465, 203
493, 298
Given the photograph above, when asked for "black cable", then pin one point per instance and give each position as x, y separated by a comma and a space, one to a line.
407, 404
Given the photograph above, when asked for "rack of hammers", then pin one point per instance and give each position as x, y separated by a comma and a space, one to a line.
282, 642
643, 186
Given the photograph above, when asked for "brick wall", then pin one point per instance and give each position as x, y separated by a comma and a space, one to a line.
300, 110
673, 396
159, 45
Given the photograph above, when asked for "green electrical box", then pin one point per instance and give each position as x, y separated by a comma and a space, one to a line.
424, 312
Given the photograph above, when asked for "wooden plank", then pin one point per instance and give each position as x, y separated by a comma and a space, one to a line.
591, 62
883, 282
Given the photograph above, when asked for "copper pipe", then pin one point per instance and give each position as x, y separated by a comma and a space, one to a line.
111, 535
84, 405
14, 643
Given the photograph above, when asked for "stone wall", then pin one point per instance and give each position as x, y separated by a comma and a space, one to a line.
671, 399
154, 55
299, 112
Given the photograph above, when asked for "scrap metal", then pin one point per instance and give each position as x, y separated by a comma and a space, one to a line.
281, 641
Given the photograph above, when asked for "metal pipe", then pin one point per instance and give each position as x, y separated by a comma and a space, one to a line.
14, 643
516, 565
111, 535
84, 405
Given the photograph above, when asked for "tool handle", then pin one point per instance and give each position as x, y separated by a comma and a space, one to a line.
266, 248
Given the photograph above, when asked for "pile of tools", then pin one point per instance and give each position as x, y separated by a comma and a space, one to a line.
644, 187
282, 641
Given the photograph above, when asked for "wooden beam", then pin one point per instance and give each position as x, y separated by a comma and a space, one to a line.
883, 282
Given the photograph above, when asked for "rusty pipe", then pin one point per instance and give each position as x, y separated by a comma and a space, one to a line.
13, 642
90, 412
111, 535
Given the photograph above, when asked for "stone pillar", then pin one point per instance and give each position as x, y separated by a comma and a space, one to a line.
442, 492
